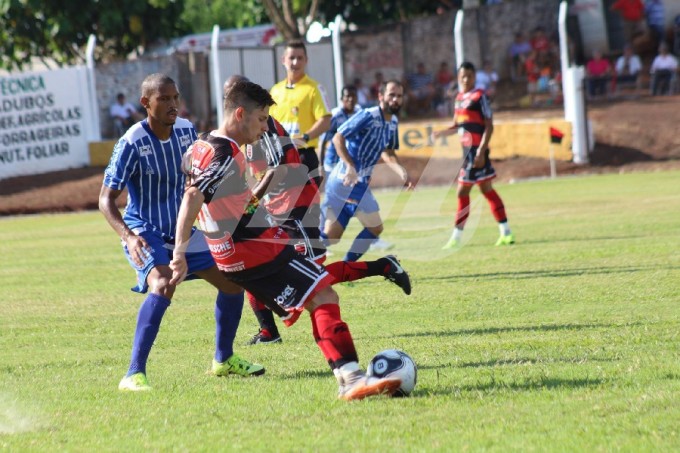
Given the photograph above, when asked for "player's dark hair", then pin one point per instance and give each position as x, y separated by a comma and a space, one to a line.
152, 83
231, 81
348, 89
247, 94
297, 44
383, 86
467, 66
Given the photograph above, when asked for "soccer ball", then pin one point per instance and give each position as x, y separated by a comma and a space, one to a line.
395, 363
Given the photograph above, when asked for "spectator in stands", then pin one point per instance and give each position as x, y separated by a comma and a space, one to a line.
375, 87
628, 67
664, 70
363, 94
539, 41
632, 13
518, 52
487, 79
676, 35
420, 91
656, 19
533, 72
123, 114
598, 74
443, 80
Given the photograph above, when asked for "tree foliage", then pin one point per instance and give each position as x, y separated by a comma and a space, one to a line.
201, 15
59, 29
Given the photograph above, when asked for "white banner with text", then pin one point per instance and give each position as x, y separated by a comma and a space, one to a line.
44, 121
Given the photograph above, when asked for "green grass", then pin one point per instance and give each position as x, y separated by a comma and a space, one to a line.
567, 341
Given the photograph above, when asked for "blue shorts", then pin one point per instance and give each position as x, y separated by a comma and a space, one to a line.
329, 161
342, 202
198, 256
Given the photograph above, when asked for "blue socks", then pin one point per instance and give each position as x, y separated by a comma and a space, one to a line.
148, 323
228, 309
360, 245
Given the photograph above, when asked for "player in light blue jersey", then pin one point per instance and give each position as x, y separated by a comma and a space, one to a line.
360, 143
147, 161
340, 115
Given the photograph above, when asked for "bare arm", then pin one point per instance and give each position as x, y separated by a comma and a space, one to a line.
351, 176
321, 126
271, 178
136, 245
448, 131
480, 158
392, 161
188, 211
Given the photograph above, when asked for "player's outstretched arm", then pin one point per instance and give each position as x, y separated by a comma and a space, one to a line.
188, 211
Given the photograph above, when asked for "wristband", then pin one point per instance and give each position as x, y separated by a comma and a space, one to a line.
305, 137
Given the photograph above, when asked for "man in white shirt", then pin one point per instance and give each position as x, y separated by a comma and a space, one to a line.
124, 115
628, 67
664, 68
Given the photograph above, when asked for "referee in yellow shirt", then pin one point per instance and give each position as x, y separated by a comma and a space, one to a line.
301, 106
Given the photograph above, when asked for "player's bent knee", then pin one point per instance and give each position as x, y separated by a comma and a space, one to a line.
325, 296
376, 230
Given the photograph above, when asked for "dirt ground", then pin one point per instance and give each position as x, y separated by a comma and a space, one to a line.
631, 135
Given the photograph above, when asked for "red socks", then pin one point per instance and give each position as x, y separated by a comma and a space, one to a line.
344, 271
332, 335
496, 204
463, 211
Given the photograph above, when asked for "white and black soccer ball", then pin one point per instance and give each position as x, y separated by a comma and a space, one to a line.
395, 363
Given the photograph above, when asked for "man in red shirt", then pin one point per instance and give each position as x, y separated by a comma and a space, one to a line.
598, 73
632, 12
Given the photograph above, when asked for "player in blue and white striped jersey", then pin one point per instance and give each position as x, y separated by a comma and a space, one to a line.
360, 142
339, 115
147, 161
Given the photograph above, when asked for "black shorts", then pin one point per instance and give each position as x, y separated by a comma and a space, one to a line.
284, 285
304, 232
469, 175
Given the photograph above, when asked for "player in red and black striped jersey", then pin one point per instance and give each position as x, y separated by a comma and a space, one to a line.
291, 198
259, 257
473, 120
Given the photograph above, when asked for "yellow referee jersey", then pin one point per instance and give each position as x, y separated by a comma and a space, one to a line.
300, 106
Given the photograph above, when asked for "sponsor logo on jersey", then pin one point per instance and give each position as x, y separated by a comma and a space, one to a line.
185, 140
240, 266
221, 248
145, 150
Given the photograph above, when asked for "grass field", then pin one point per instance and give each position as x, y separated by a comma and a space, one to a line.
567, 341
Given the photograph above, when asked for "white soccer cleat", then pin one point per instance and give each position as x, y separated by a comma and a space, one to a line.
380, 244
358, 386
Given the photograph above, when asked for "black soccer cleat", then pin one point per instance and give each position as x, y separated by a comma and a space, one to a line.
397, 275
264, 337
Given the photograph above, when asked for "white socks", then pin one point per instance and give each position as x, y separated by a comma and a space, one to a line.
505, 228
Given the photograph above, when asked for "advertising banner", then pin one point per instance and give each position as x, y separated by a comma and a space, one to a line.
44, 120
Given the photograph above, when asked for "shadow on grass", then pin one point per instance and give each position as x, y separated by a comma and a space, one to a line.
506, 329
308, 374
557, 273
493, 386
